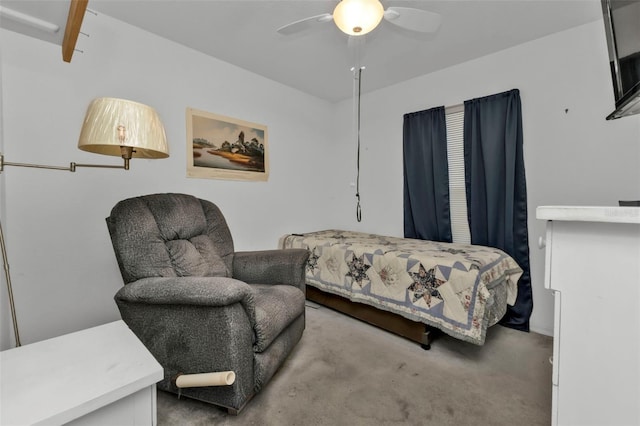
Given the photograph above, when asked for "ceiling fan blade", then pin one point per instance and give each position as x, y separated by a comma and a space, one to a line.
303, 24
413, 19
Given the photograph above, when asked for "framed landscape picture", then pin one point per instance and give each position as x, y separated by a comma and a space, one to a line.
220, 147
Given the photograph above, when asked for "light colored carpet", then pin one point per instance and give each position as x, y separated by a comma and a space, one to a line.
346, 372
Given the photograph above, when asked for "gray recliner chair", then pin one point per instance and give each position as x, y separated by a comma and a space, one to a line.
198, 305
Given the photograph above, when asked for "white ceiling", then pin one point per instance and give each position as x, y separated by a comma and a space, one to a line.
318, 60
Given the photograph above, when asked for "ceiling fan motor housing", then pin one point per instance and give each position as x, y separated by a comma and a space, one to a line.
358, 17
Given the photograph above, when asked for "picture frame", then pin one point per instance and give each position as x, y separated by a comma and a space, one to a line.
221, 147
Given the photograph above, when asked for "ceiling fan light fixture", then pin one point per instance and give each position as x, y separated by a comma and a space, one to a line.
358, 17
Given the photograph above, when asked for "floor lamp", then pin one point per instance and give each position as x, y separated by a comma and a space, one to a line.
111, 126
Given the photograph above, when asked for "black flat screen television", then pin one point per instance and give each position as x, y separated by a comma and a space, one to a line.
622, 26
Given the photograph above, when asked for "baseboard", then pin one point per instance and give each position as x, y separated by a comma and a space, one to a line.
541, 330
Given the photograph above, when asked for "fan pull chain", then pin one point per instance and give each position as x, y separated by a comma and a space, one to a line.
357, 87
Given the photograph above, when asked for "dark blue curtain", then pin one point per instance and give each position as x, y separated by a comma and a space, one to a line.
496, 188
426, 176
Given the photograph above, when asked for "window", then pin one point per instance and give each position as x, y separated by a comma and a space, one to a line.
457, 192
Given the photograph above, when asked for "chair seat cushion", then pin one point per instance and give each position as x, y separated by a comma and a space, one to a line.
276, 307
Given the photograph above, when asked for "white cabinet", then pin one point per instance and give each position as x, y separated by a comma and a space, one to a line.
593, 267
99, 376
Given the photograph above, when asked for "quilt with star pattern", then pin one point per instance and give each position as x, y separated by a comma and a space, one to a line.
452, 287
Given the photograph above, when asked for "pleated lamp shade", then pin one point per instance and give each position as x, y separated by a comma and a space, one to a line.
112, 123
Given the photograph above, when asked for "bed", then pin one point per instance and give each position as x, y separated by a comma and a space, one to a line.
409, 286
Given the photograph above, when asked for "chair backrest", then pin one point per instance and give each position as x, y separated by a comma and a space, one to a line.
168, 235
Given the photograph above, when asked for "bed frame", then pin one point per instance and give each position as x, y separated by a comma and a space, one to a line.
394, 323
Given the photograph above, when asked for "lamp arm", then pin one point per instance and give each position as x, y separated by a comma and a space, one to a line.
72, 166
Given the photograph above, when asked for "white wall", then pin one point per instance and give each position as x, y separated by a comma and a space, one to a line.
63, 268
571, 158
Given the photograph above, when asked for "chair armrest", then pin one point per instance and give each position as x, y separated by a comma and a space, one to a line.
197, 291
271, 267
195, 325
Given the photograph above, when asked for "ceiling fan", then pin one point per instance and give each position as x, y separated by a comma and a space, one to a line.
359, 17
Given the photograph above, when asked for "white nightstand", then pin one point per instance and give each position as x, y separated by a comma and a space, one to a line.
99, 376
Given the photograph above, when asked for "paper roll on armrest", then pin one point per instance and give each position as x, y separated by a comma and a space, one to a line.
221, 378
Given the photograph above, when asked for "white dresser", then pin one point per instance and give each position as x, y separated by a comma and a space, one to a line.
593, 268
99, 376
